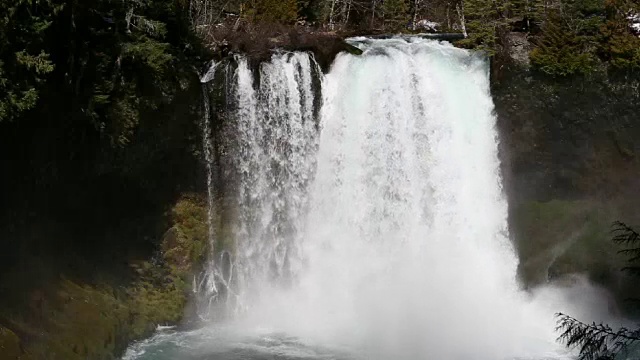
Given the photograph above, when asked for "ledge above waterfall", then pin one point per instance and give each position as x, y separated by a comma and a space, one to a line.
259, 44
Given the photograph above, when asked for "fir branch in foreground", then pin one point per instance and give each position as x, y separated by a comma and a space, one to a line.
624, 235
595, 341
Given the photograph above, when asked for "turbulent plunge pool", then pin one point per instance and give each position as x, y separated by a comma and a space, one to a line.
370, 220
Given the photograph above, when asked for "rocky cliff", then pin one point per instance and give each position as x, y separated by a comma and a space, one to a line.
570, 162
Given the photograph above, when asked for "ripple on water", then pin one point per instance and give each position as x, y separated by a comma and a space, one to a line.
227, 343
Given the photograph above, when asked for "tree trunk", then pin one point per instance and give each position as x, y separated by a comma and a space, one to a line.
373, 13
331, 13
414, 18
347, 12
460, 10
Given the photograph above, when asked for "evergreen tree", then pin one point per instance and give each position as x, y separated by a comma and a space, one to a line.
395, 14
569, 39
116, 60
24, 64
273, 11
486, 21
111, 60
620, 46
559, 51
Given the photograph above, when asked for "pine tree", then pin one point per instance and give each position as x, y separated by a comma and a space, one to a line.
395, 14
273, 11
486, 21
569, 40
561, 52
620, 46
24, 65
121, 59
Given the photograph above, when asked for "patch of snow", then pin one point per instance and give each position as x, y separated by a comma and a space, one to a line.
427, 25
164, 327
211, 72
634, 23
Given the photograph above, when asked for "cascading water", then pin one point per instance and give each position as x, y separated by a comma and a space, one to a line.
205, 287
276, 135
379, 230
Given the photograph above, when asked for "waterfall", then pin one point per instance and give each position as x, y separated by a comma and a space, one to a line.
386, 226
272, 128
206, 288
276, 132
406, 239
369, 213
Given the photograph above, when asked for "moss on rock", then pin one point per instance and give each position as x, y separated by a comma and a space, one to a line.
81, 322
76, 320
9, 344
185, 244
561, 237
97, 321
157, 298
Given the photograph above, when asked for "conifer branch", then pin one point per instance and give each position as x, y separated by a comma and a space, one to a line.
595, 341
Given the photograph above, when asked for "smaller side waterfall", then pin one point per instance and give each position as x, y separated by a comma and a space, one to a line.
276, 137
206, 287
271, 125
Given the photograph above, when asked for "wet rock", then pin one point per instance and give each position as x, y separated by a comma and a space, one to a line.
569, 163
9, 344
519, 48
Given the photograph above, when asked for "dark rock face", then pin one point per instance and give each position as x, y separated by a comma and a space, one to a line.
82, 225
73, 318
571, 137
570, 162
9, 344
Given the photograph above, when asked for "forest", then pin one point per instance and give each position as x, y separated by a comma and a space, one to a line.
104, 53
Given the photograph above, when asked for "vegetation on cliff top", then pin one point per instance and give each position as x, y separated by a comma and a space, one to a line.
115, 51
579, 36
570, 37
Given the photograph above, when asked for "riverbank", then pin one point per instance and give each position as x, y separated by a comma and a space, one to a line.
96, 316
